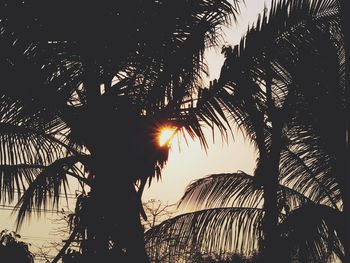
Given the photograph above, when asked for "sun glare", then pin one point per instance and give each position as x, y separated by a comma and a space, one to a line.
166, 135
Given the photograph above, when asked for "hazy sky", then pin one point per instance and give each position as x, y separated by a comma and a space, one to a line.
183, 167
193, 162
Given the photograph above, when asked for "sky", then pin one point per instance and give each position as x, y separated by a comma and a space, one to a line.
190, 163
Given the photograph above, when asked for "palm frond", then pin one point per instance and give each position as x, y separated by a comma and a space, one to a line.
223, 190
46, 187
239, 190
313, 233
33, 130
306, 175
30, 140
162, 60
297, 32
14, 179
216, 230
285, 30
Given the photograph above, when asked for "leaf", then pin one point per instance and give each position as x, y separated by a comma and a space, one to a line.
314, 233
46, 187
217, 230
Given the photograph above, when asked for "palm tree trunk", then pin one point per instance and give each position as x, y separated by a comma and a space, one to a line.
119, 206
270, 197
90, 79
270, 223
116, 230
135, 246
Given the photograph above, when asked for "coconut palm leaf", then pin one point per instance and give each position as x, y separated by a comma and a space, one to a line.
312, 140
181, 40
309, 232
216, 230
313, 233
314, 241
162, 69
14, 179
137, 67
284, 45
47, 187
29, 142
297, 43
223, 190
238, 190
285, 30
309, 178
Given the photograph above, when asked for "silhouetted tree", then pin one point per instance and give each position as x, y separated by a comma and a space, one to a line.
14, 250
287, 68
85, 88
73, 256
291, 64
228, 218
156, 212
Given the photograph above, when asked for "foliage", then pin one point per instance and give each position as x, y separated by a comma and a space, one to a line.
156, 211
14, 250
83, 95
287, 67
230, 258
234, 223
294, 43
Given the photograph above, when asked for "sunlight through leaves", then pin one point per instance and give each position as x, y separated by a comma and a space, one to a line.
166, 135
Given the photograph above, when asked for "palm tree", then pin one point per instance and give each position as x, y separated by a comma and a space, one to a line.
280, 77
282, 73
85, 89
228, 217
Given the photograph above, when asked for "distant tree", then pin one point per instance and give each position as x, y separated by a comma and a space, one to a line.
157, 211
14, 250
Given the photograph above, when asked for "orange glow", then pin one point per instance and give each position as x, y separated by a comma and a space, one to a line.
166, 135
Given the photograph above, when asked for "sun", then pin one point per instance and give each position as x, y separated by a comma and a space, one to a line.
166, 134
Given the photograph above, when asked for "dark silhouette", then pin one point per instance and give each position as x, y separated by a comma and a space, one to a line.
14, 250
288, 88
85, 88
283, 73
228, 219
232, 258
157, 211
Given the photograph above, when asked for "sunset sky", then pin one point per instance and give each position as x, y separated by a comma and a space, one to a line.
190, 163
